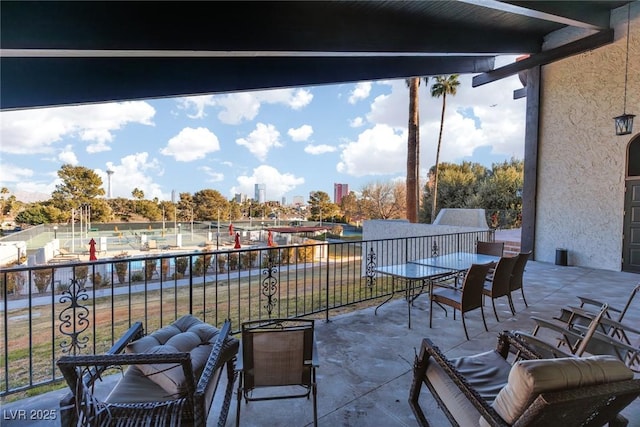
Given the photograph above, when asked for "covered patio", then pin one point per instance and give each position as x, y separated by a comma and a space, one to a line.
366, 360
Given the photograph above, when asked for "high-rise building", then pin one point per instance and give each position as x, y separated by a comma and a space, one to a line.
261, 193
240, 198
339, 191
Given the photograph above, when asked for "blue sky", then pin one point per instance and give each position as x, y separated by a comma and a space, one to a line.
293, 140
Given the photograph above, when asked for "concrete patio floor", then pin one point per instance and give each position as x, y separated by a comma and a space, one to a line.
366, 359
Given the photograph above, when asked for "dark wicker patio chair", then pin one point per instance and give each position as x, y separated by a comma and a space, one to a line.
490, 248
517, 278
466, 299
486, 389
278, 357
165, 384
497, 285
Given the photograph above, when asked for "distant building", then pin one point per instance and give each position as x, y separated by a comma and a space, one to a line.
339, 191
284, 201
240, 198
261, 193
173, 196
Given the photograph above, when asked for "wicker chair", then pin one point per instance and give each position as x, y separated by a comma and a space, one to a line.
466, 299
490, 248
161, 386
486, 389
278, 356
517, 278
497, 285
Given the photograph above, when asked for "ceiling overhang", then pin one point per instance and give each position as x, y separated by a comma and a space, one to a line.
59, 52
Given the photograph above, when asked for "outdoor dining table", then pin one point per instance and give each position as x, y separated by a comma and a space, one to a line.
458, 261
415, 278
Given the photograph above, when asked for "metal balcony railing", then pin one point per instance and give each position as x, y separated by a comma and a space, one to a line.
83, 307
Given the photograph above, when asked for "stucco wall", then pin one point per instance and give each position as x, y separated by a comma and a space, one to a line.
582, 163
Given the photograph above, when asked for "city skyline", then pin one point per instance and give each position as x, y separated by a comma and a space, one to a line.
294, 140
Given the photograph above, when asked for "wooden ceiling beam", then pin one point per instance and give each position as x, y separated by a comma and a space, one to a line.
591, 42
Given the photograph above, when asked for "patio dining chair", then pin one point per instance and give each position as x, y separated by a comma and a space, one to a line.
517, 278
465, 299
490, 248
497, 286
278, 360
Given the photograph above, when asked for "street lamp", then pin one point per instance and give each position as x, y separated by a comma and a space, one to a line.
55, 231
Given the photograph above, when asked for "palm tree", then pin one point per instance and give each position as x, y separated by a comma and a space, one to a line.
444, 85
413, 149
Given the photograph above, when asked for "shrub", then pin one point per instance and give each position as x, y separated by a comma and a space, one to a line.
42, 279
137, 277
82, 272
201, 264
181, 264
150, 266
221, 260
164, 267
15, 281
233, 261
247, 259
121, 267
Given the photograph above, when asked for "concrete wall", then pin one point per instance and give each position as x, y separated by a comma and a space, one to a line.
391, 252
582, 163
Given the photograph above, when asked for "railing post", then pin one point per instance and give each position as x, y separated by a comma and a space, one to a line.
327, 286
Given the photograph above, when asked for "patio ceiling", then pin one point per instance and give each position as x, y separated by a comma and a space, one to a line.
57, 52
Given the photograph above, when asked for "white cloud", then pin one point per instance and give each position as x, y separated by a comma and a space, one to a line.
36, 130
357, 122
213, 175
191, 144
134, 171
361, 91
500, 119
67, 156
13, 173
278, 184
379, 150
244, 106
261, 140
319, 149
302, 133
197, 103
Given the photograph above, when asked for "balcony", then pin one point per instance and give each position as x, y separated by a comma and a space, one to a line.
366, 359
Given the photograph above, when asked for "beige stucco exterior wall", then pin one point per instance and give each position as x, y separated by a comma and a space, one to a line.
581, 162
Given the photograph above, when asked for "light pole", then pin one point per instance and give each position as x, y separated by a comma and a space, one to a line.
218, 233
55, 232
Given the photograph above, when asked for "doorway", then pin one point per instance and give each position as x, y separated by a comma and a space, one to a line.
631, 232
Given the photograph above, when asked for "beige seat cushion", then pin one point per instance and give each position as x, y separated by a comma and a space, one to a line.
529, 378
486, 372
186, 335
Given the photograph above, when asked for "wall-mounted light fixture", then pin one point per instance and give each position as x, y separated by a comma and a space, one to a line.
624, 122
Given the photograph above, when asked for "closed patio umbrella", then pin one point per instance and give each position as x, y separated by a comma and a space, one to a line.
92, 250
237, 245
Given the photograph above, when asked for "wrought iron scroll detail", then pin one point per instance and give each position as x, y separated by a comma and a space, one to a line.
434, 249
270, 286
371, 269
74, 318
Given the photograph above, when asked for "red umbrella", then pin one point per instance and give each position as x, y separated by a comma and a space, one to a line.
92, 250
270, 239
230, 229
237, 245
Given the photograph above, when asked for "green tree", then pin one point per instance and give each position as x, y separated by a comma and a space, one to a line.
137, 194
444, 85
413, 150
34, 214
206, 204
5, 203
79, 185
321, 207
458, 187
